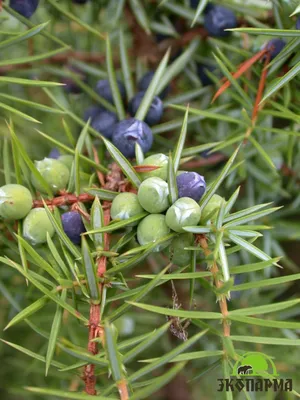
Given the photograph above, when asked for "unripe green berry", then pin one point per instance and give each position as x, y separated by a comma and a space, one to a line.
184, 212
55, 173
15, 201
153, 195
159, 160
125, 205
36, 225
211, 209
67, 160
176, 251
152, 228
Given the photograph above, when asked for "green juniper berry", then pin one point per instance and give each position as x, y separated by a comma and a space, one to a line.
36, 225
184, 212
15, 201
211, 209
153, 195
152, 228
55, 173
67, 160
124, 206
176, 251
157, 160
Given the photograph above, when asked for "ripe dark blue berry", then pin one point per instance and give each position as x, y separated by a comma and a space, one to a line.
24, 7
91, 112
54, 153
217, 19
73, 226
70, 85
298, 23
129, 132
191, 184
154, 113
194, 4
204, 78
145, 82
275, 46
80, 1
104, 90
104, 123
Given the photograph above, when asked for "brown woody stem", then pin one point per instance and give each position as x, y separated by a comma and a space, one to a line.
214, 270
64, 199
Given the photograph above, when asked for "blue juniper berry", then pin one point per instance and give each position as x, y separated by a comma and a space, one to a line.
129, 132
154, 113
73, 226
24, 7
145, 81
54, 153
104, 90
217, 19
204, 78
91, 112
191, 184
70, 85
104, 123
275, 46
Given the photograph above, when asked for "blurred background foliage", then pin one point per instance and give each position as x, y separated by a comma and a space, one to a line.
268, 170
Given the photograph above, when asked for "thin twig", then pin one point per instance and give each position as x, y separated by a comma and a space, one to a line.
201, 239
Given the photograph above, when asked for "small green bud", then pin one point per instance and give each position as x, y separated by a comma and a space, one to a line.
153, 195
55, 173
15, 201
159, 160
36, 225
152, 228
125, 205
184, 212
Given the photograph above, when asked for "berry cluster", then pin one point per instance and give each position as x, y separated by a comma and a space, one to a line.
126, 133
17, 203
164, 217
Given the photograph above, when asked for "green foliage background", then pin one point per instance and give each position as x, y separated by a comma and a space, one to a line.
42, 116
